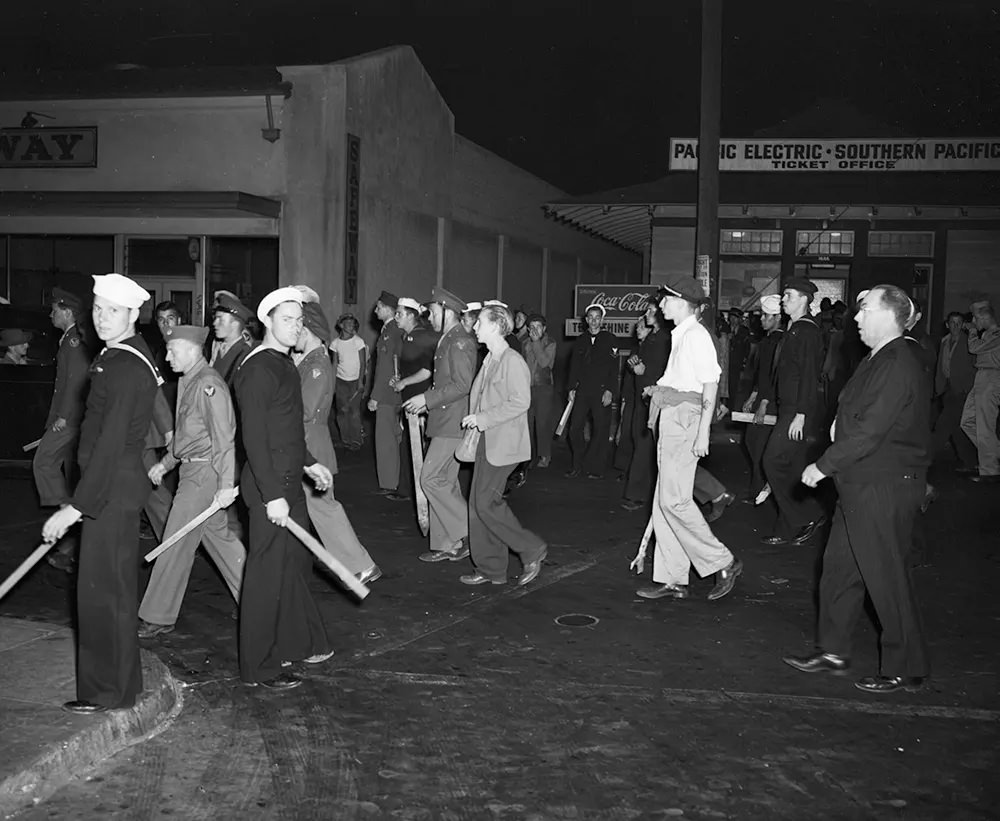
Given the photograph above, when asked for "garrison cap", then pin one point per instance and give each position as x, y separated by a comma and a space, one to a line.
67, 299
121, 290
188, 333
800, 284
315, 321
473, 306
229, 303
275, 298
388, 299
684, 286
448, 299
408, 302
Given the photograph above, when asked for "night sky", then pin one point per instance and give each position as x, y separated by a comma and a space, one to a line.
587, 101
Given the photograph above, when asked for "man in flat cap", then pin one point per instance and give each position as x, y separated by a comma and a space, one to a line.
232, 341
800, 419
979, 416
328, 516
15, 342
762, 400
279, 618
593, 383
203, 447
681, 408
446, 403
54, 464
113, 487
383, 401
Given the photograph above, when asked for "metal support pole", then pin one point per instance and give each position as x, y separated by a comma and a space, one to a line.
707, 239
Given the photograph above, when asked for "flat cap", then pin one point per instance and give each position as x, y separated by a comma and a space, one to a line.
408, 302
269, 302
388, 299
448, 299
684, 286
13, 336
313, 319
229, 303
800, 284
120, 289
67, 299
188, 333
771, 304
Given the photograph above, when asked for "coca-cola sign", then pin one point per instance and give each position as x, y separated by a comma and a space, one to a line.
620, 301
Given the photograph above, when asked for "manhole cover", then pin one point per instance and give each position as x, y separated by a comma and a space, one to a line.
577, 620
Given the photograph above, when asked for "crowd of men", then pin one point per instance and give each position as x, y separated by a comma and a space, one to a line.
250, 418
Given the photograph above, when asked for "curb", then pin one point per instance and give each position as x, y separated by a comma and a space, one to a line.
110, 733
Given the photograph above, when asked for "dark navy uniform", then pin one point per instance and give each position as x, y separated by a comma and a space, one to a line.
654, 351
112, 490
279, 619
879, 461
765, 385
55, 459
593, 369
227, 360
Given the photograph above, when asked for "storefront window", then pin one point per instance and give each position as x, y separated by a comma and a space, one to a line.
40, 263
901, 244
750, 242
824, 243
744, 282
248, 267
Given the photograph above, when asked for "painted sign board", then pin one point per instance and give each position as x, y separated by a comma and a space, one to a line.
48, 147
624, 305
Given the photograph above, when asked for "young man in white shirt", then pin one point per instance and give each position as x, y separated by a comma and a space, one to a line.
682, 404
350, 358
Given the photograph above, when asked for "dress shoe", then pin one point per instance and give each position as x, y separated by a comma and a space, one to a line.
989, 479
84, 708
660, 591
718, 506
631, 504
819, 663
518, 478
887, 684
762, 497
282, 681
806, 532
725, 579
532, 569
148, 630
397, 497
445, 555
319, 658
479, 578
543, 462
372, 574
571, 474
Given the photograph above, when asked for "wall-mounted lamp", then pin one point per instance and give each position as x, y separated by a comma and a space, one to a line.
917, 211
746, 210
271, 134
29, 120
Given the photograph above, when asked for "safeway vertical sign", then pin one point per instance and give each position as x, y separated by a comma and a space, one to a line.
48, 147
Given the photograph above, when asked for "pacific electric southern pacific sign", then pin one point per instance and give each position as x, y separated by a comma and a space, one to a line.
924, 154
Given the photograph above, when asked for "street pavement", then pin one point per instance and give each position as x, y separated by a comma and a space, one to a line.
570, 698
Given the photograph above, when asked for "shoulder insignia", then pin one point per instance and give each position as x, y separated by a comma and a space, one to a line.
74, 341
210, 390
317, 373
614, 352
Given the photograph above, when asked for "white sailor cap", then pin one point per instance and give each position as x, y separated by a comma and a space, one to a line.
120, 289
472, 306
286, 294
408, 302
771, 304
497, 303
597, 306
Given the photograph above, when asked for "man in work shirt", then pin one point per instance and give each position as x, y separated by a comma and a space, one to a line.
593, 381
113, 487
203, 447
800, 419
55, 460
979, 416
446, 403
383, 401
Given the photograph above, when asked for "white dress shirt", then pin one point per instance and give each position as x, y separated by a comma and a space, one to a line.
693, 361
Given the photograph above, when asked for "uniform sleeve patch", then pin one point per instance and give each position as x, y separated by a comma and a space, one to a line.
316, 373
74, 342
210, 390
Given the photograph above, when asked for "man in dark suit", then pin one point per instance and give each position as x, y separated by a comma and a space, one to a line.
878, 459
279, 619
446, 403
113, 487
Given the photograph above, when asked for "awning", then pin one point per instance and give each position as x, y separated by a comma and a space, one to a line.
147, 204
624, 225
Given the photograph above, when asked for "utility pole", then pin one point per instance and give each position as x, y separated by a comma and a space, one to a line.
707, 238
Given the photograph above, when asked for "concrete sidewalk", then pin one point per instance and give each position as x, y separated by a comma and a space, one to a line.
42, 746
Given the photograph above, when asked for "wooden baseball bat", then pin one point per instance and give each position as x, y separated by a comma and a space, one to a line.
24, 567
31, 445
329, 562
202, 517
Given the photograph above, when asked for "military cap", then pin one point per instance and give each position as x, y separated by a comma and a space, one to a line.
407, 302
188, 333
596, 306
314, 320
120, 289
497, 303
229, 303
388, 299
275, 298
771, 304
67, 299
684, 286
473, 306
14, 336
448, 299
800, 284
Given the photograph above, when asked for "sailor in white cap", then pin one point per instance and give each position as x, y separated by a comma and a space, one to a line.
112, 490
279, 619
763, 397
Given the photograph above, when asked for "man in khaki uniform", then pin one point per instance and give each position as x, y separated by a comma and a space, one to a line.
979, 416
383, 401
203, 447
446, 402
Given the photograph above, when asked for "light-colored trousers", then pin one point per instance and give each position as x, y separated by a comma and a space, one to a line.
335, 530
979, 419
682, 536
196, 489
387, 437
449, 513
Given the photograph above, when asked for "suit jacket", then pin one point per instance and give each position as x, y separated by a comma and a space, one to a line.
448, 397
500, 398
72, 375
